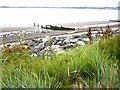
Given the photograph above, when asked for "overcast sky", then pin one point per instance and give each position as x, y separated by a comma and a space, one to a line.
58, 3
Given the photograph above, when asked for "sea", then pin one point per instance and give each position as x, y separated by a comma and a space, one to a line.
42, 16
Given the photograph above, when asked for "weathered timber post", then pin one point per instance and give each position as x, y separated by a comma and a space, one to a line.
109, 31
89, 35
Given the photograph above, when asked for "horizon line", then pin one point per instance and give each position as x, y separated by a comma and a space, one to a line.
73, 7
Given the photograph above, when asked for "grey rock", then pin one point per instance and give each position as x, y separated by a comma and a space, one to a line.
73, 40
66, 41
55, 42
45, 40
83, 36
59, 43
31, 43
93, 36
40, 46
60, 38
80, 43
40, 52
67, 46
53, 47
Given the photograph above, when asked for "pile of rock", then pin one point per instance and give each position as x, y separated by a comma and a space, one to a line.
56, 44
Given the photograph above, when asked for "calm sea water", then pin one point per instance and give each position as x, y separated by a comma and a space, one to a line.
27, 16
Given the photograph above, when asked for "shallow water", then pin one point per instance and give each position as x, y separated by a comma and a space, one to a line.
27, 16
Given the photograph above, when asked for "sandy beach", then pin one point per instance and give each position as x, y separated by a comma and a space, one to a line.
38, 34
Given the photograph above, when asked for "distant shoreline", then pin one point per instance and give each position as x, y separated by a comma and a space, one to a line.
82, 7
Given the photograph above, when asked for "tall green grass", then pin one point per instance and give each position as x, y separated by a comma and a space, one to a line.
90, 66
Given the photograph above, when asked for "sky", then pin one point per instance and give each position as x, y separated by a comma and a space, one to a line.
60, 3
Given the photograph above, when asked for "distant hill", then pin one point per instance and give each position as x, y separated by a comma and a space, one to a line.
85, 7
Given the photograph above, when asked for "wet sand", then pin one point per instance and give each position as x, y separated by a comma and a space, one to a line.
34, 35
10, 29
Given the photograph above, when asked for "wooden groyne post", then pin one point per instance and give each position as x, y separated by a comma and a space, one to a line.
89, 35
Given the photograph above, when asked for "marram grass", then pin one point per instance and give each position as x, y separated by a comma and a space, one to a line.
90, 66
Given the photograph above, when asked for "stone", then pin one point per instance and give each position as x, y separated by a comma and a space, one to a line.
40, 46
67, 46
40, 52
93, 36
73, 40
66, 41
80, 43
53, 47
44, 40
59, 43
83, 36
60, 38
31, 43
86, 39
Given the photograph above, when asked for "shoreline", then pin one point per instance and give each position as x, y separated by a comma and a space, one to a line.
38, 34
20, 28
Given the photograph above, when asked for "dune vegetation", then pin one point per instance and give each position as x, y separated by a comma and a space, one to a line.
89, 66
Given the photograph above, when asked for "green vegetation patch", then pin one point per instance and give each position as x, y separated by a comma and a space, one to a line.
90, 66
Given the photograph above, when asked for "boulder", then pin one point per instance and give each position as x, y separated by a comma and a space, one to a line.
93, 36
53, 47
83, 36
80, 43
60, 39
39, 47
41, 52
44, 40
73, 41
59, 43
32, 43
66, 41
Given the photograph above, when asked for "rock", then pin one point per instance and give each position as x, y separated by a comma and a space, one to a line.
44, 40
80, 43
66, 41
73, 40
59, 43
53, 47
55, 42
86, 39
31, 43
83, 36
40, 52
60, 39
93, 36
67, 46
56, 49
40, 46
